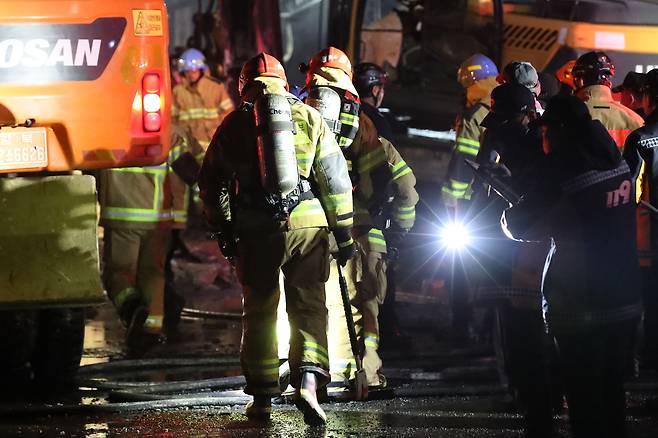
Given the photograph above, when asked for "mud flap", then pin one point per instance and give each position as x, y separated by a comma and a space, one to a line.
49, 242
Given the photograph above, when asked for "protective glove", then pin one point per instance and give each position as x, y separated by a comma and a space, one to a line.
394, 235
228, 244
346, 246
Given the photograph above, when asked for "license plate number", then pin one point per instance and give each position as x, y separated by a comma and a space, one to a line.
23, 148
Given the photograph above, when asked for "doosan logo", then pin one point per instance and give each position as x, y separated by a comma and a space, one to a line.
38, 52
42, 52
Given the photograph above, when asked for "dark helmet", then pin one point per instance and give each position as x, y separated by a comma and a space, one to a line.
650, 86
593, 68
366, 76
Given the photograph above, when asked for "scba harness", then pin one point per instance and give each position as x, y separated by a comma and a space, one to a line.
282, 188
339, 108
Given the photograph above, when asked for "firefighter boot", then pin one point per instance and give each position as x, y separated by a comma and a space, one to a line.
133, 314
306, 401
259, 408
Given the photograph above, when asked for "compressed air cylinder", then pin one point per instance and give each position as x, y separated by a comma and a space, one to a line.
328, 104
276, 145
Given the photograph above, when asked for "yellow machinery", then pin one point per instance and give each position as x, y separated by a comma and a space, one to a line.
84, 84
548, 34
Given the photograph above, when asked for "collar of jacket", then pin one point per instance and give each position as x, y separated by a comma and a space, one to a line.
480, 91
266, 85
595, 92
333, 77
194, 87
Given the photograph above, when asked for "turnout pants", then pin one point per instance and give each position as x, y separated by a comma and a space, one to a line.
366, 280
303, 258
134, 268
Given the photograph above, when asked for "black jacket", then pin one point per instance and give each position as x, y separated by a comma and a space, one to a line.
584, 201
641, 146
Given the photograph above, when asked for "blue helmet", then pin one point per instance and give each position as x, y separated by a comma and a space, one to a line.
474, 69
191, 59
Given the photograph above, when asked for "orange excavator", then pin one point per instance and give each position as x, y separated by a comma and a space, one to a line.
84, 84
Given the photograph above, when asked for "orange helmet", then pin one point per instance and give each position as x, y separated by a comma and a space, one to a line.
565, 75
331, 57
261, 65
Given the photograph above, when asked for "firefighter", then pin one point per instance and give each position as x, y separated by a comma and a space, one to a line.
525, 74
370, 82
477, 75
383, 187
564, 76
137, 215
592, 75
631, 92
183, 167
582, 199
200, 102
512, 140
640, 148
274, 182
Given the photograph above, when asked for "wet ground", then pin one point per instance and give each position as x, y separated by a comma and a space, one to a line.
190, 385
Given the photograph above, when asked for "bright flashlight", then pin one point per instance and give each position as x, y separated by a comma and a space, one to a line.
455, 236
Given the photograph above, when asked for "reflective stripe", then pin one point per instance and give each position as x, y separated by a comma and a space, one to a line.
468, 141
376, 237
337, 200
266, 368
316, 353
405, 213
467, 149
154, 170
153, 322
371, 340
198, 114
346, 243
344, 367
371, 160
400, 169
179, 215
226, 104
592, 177
135, 214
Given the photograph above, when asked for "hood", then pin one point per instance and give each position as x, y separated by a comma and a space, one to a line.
481, 91
586, 147
265, 85
333, 77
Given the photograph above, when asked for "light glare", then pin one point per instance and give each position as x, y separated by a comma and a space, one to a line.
455, 235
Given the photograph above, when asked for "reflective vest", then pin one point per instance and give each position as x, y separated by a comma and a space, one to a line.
201, 107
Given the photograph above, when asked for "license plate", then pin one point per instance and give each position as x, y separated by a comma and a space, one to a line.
23, 148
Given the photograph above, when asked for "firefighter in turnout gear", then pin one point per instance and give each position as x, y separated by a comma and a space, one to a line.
274, 183
200, 102
641, 148
592, 74
137, 213
582, 199
370, 81
477, 75
383, 187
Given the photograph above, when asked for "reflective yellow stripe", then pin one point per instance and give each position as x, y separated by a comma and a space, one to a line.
346, 243
458, 184
455, 193
371, 160
316, 352
400, 169
135, 214
376, 237
467, 150
371, 339
468, 141
406, 213
153, 170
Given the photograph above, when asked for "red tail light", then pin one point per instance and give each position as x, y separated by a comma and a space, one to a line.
151, 102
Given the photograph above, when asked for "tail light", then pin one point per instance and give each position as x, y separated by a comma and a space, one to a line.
151, 102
